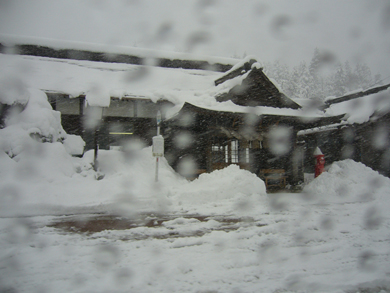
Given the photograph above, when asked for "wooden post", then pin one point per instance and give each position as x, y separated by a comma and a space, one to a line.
95, 155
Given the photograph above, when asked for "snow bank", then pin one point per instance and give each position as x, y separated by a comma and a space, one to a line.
36, 121
44, 160
136, 162
229, 190
33, 137
74, 144
128, 185
130, 177
348, 181
13, 91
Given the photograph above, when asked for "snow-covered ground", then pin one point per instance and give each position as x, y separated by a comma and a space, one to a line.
61, 230
219, 233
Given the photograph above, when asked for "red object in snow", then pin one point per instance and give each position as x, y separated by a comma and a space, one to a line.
320, 162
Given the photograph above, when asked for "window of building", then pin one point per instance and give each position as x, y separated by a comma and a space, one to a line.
234, 157
119, 132
218, 153
223, 151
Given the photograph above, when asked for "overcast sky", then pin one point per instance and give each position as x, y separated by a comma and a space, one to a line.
275, 29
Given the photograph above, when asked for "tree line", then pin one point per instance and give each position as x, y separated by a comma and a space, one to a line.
322, 77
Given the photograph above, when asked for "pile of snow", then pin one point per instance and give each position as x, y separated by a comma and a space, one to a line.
226, 191
348, 181
134, 174
36, 121
128, 185
13, 91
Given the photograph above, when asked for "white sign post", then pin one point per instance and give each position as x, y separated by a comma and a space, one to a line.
158, 144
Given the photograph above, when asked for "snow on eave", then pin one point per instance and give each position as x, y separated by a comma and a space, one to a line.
240, 68
277, 85
242, 62
230, 107
360, 110
320, 129
359, 93
98, 96
227, 85
303, 102
331, 99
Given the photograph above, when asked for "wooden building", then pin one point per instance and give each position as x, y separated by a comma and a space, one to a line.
363, 134
253, 125
216, 111
125, 118
139, 83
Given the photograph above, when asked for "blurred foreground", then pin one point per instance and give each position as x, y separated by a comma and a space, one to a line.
218, 233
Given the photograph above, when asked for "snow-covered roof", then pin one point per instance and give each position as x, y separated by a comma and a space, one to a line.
239, 69
76, 77
300, 118
177, 85
357, 107
53, 46
360, 108
229, 106
246, 84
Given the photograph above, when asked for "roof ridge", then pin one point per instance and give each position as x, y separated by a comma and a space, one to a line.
99, 53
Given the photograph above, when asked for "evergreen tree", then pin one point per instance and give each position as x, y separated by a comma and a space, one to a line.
363, 74
378, 79
281, 73
338, 82
315, 64
350, 78
317, 83
306, 81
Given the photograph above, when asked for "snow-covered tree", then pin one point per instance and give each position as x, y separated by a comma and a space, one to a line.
338, 81
363, 74
315, 64
310, 81
378, 79
304, 79
350, 79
